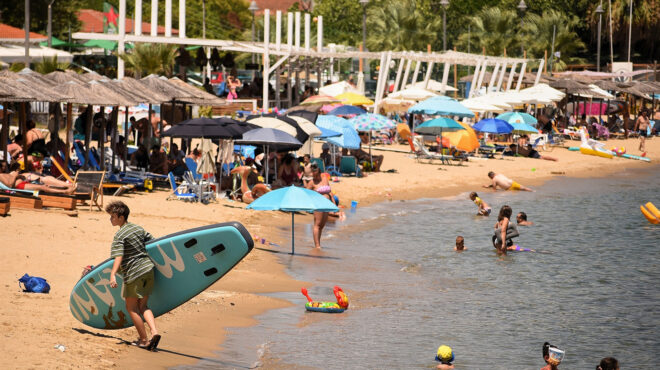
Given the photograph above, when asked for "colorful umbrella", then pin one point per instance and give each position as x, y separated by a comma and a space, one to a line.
320, 99
354, 99
293, 199
329, 107
371, 121
493, 126
518, 117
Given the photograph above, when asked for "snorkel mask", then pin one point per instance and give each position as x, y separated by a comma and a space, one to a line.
445, 355
555, 356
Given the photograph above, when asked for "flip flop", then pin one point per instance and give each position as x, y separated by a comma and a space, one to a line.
153, 344
138, 344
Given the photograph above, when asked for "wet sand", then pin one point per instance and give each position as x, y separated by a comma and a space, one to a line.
56, 246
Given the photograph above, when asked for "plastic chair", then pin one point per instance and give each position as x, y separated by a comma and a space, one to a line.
348, 165
179, 192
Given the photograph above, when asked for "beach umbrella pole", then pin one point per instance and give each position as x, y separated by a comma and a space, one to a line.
293, 231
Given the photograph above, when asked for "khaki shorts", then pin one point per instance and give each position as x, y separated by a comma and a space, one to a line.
140, 287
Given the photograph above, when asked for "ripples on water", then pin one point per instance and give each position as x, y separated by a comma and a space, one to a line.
594, 293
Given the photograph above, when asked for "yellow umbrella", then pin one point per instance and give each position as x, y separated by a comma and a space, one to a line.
354, 99
465, 140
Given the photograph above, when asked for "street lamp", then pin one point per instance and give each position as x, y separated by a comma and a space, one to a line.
522, 7
253, 8
445, 5
599, 11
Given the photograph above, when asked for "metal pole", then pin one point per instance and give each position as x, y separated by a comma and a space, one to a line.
630, 30
444, 29
50, 23
204, 21
599, 10
27, 36
611, 43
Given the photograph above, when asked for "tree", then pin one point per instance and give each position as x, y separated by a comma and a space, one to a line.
538, 31
400, 25
493, 29
146, 59
342, 21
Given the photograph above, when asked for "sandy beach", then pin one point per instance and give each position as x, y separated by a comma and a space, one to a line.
57, 247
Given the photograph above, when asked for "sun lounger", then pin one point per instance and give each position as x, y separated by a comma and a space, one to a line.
421, 152
22, 200
180, 191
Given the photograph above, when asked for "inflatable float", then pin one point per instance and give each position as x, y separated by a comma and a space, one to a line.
651, 213
593, 147
327, 307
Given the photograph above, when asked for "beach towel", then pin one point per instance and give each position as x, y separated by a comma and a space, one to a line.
33, 284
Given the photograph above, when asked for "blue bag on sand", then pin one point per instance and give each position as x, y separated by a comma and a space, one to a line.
33, 284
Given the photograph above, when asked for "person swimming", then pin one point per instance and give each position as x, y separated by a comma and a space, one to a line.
505, 230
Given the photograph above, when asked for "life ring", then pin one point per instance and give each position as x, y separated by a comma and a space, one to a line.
327, 307
651, 213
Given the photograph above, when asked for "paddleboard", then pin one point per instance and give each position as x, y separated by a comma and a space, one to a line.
631, 156
186, 262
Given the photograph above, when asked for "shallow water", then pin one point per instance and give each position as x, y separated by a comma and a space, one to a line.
593, 291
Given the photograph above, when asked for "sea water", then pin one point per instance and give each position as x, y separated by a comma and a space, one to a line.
592, 288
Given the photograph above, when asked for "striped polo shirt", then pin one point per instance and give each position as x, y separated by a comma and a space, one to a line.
130, 242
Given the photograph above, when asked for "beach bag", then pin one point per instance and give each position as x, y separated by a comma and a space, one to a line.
33, 284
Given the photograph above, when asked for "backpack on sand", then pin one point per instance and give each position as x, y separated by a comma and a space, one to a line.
33, 284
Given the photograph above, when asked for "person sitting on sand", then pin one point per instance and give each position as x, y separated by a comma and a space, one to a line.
483, 207
322, 186
524, 149
504, 183
137, 270
287, 171
34, 181
249, 195
460, 244
521, 218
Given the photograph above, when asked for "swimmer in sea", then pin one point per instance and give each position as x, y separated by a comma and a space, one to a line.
460, 244
445, 356
499, 180
505, 230
484, 208
521, 218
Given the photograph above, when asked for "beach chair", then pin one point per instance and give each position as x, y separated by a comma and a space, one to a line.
192, 167
422, 152
319, 163
348, 166
90, 188
180, 192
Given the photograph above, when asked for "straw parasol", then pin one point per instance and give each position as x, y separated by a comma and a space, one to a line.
111, 97
201, 97
148, 95
164, 87
571, 86
81, 94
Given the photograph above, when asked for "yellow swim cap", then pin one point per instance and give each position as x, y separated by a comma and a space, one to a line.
445, 354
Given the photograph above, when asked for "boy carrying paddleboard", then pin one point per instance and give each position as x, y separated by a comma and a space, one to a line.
137, 269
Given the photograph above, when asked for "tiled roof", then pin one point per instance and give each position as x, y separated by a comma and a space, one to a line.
274, 5
13, 34
92, 21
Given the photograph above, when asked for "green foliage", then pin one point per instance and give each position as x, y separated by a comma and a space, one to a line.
146, 59
64, 15
342, 20
205, 111
401, 25
48, 65
538, 32
493, 29
17, 67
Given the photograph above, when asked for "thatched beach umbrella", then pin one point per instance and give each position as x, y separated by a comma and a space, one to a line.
201, 97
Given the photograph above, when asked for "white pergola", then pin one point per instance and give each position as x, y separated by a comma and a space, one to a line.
292, 50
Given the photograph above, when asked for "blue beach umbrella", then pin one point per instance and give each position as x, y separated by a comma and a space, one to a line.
325, 133
493, 126
437, 125
332, 122
441, 105
347, 110
293, 199
348, 139
518, 117
520, 128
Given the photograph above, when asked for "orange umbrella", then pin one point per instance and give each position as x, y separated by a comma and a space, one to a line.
465, 140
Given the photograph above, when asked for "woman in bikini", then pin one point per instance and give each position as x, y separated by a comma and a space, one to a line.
249, 195
287, 172
36, 182
322, 186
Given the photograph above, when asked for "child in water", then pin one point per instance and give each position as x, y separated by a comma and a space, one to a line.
460, 244
484, 208
445, 356
552, 356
